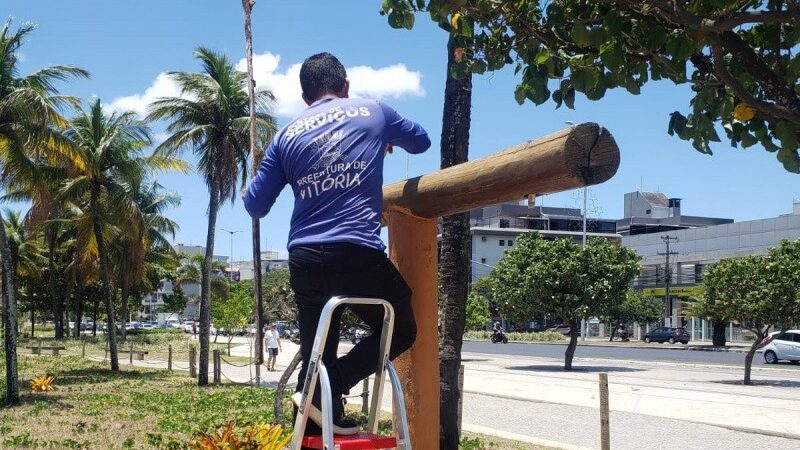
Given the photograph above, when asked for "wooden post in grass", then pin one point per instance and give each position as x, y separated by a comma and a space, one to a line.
605, 432
365, 396
83, 347
169, 358
579, 156
131, 353
192, 366
216, 367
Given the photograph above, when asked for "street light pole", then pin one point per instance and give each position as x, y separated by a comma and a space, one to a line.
230, 263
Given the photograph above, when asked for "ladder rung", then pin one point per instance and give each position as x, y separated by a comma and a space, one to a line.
358, 441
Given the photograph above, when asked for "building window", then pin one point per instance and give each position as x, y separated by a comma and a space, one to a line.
483, 238
510, 243
483, 260
502, 242
647, 212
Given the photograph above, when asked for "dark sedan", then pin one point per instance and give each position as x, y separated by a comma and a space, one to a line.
667, 334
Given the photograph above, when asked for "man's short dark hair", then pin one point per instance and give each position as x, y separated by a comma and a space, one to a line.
321, 74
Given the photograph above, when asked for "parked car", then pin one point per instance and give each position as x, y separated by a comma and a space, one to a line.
354, 334
561, 328
782, 345
667, 334
287, 330
87, 326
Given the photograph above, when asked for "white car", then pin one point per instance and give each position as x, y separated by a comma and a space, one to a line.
782, 345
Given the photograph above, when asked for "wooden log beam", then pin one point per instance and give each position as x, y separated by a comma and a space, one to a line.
579, 156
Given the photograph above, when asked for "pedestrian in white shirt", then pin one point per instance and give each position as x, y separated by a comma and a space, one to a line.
273, 340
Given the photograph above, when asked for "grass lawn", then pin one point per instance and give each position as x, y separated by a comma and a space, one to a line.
136, 408
94, 408
155, 343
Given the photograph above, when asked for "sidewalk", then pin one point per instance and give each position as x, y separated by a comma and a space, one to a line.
604, 342
654, 405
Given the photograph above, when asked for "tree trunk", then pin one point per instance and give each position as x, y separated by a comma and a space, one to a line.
255, 154
613, 330
9, 318
205, 286
124, 306
718, 333
78, 306
281, 387
748, 361
33, 309
94, 318
573, 343
454, 265
55, 301
65, 312
106, 286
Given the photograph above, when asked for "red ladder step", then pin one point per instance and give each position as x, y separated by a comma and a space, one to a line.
358, 441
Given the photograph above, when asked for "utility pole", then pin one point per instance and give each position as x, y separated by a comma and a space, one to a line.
230, 263
668, 279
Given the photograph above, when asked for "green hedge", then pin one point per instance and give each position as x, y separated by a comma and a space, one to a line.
543, 336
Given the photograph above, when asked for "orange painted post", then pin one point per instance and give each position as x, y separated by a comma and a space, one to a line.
412, 248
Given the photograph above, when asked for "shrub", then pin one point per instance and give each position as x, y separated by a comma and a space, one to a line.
260, 436
543, 336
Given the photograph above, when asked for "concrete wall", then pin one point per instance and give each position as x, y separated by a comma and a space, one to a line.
710, 244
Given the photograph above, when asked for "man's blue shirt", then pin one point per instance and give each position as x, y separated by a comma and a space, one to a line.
332, 157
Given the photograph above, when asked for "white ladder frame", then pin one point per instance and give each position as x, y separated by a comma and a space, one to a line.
318, 371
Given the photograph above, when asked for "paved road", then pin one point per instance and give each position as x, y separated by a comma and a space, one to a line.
580, 426
593, 351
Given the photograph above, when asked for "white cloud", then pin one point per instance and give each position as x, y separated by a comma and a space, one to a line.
392, 81
162, 86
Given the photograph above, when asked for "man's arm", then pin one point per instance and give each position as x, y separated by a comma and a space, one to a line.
265, 187
404, 133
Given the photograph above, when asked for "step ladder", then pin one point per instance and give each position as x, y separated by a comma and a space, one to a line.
317, 371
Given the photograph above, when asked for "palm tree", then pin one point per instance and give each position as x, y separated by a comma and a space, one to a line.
109, 160
212, 120
29, 117
27, 257
133, 249
191, 269
255, 161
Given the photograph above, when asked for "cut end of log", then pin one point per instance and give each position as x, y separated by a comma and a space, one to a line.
591, 154
583, 155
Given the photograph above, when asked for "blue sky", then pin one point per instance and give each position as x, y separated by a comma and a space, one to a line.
127, 44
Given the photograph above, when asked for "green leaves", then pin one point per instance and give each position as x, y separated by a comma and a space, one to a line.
599, 45
756, 289
561, 278
580, 34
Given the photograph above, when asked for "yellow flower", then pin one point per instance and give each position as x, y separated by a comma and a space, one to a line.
454, 20
260, 436
743, 112
42, 384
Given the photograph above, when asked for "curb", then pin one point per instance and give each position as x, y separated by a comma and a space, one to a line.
778, 434
518, 437
609, 345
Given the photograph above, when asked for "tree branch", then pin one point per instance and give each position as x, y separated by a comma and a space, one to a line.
770, 110
734, 20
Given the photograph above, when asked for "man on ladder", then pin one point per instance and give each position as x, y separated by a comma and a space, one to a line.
332, 156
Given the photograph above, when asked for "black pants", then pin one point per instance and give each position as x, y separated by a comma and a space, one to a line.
319, 272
